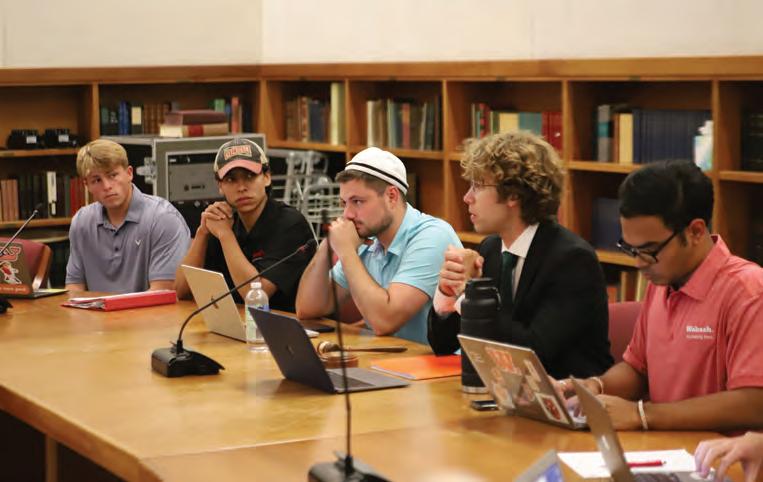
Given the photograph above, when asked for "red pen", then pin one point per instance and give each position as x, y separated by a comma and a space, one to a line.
647, 463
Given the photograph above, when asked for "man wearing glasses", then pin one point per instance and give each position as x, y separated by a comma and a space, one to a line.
552, 286
695, 353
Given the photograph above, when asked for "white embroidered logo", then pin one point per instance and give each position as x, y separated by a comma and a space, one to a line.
137, 242
699, 332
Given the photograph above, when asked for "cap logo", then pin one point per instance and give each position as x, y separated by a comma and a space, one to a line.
234, 151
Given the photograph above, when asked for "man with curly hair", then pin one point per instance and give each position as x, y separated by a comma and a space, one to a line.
551, 284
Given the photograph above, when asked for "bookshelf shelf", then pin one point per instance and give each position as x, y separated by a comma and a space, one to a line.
315, 146
742, 176
23, 153
404, 153
470, 237
613, 257
37, 223
594, 166
730, 88
455, 156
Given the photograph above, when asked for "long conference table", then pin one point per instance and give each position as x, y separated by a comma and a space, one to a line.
83, 379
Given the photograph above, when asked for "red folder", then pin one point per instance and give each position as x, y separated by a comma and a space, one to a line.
420, 367
124, 301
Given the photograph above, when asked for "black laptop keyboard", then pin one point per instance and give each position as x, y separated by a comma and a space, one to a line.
649, 477
336, 379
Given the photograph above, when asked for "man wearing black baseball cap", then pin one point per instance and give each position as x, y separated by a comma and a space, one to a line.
248, 231
392, 278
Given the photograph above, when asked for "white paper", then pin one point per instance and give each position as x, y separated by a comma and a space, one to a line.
591, 464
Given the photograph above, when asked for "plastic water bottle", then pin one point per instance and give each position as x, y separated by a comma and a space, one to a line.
256, 298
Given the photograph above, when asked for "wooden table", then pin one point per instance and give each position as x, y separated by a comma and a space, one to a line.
83, 378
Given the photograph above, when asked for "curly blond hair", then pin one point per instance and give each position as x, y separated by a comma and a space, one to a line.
522, 164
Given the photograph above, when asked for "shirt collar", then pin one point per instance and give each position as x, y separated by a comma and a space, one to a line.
521, 245
701, 281
133, 211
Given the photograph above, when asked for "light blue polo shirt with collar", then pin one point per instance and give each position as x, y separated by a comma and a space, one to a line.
148, 246
414, 258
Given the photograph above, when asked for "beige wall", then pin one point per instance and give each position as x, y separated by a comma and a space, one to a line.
49, 33
72, 33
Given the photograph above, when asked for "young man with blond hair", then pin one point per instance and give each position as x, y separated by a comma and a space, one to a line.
125, 240
391, 277
552, 287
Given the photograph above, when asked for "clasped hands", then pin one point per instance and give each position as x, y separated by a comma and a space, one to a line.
217, 219
460, 265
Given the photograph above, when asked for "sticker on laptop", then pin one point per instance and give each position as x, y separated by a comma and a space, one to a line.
503, 359
532, 371
550, 408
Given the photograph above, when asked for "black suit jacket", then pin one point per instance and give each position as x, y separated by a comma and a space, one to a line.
559, 309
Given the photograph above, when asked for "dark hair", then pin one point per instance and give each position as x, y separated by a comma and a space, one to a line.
675, 191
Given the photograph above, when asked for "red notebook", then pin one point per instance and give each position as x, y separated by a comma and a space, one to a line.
420, 367
124, 301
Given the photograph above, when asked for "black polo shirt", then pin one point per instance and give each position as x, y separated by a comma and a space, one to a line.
278, 232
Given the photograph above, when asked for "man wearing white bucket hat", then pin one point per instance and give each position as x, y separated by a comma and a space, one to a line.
393, 276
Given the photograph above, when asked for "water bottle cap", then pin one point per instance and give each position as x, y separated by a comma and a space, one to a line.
256, 285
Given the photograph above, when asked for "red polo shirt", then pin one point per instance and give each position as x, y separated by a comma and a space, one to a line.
707, 336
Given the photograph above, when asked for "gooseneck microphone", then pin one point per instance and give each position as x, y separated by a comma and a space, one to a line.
345, 467
4, 303
176, 361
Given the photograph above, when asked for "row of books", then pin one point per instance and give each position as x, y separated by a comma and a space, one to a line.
310, 119
756, 237
132, 118
195, 123
640, 136
62, 195
486, 121
404, 124
752, 141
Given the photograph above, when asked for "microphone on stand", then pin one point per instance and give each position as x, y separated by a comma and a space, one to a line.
4, 303
345, 467
176, 361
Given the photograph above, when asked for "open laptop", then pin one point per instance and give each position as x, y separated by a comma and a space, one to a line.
298, 361
517, 380
609, 444
15, 279
222, 317
545, 469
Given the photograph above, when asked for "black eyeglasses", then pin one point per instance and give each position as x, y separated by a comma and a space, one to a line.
645, 255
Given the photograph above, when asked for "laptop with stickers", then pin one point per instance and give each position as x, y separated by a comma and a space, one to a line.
15, 278
517, 380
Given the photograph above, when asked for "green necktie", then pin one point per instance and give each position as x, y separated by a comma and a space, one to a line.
508, 262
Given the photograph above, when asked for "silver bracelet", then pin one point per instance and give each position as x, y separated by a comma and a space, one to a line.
642, 415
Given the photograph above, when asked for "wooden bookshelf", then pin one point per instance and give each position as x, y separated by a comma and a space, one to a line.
601, 167
37, 223
28, 153
728, 87
616, 258
742, 176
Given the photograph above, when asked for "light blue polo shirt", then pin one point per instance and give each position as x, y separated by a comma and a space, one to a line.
414, 258
148, 246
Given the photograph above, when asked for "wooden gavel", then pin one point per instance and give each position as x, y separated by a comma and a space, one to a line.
328, 346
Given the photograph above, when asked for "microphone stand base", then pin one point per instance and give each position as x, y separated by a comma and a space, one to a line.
334, 472
171, 364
